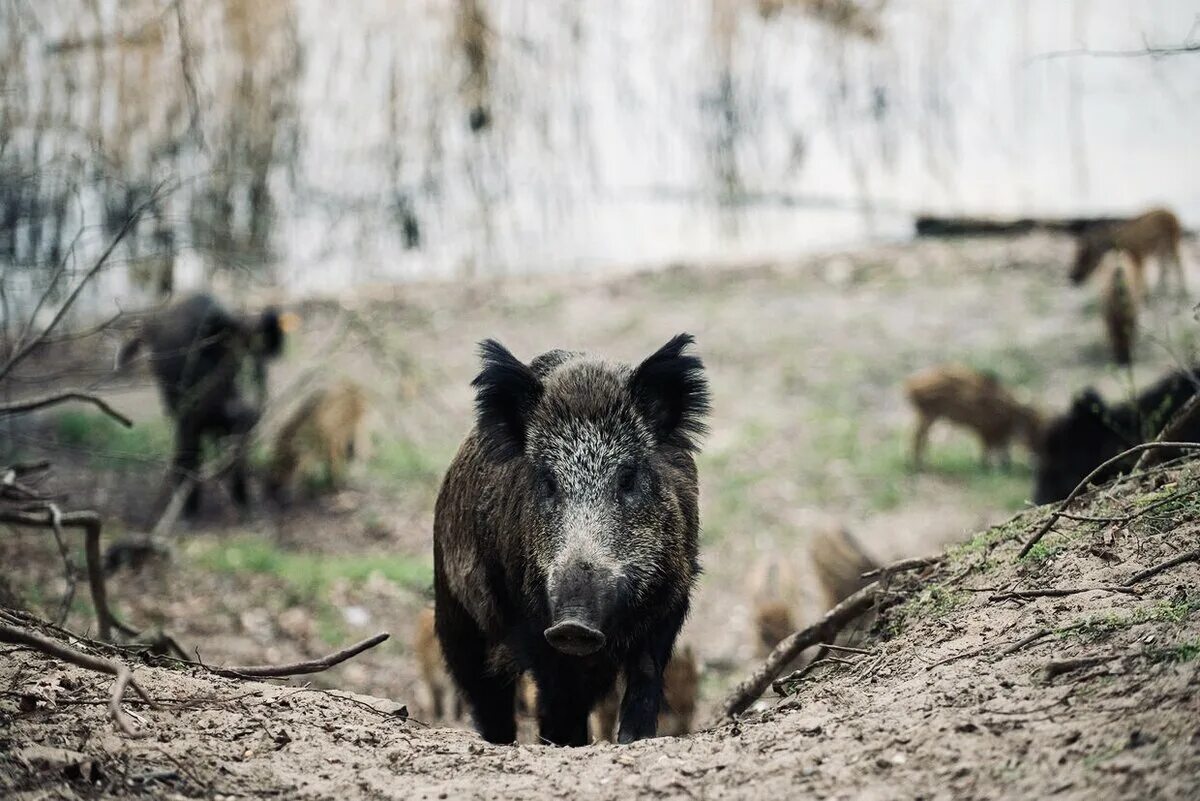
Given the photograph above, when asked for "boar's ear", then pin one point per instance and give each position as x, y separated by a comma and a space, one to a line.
1088, 404
505, 392
670, 390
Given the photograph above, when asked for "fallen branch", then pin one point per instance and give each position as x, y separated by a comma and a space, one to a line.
1019, 644
33, 404
90, 523
833, 621
1061, 666
299, 668
66, 653
1058, 592
1062, 507
1190, 556
904, 565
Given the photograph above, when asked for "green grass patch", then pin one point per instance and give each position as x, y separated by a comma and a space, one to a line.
1099, 626
933, 601
401, 460
108, 440
308, 576
1176, 654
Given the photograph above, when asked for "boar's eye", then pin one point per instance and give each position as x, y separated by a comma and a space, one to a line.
547, 485
627, 480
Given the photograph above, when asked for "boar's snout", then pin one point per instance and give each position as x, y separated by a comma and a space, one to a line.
575, 638
581, 598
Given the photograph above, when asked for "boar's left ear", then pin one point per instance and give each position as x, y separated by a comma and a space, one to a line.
670, 390
506, 390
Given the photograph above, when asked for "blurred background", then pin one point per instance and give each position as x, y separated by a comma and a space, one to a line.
412, 176
316, 147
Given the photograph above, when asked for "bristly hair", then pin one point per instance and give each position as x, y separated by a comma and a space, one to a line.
670, 389
506, 390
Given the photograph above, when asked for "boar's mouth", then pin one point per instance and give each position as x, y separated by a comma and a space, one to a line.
574, 637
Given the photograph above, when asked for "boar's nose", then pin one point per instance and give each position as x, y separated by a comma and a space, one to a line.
575, 638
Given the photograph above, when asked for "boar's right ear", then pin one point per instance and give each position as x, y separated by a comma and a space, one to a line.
670, 389
505, 392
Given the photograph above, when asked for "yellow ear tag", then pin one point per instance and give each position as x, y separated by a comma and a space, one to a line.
289, 322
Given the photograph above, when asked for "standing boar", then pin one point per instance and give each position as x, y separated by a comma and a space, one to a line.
1092, 432
1155, 233
1119, 303
839, 562
326, 429
973, 400
565, 536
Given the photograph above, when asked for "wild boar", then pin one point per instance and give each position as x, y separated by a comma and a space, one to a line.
1155, 233
973, 400
325, 429
197, 351
681, 685
1091, 432
839, 562
1119, 304
778, 597
566, 536
440, 697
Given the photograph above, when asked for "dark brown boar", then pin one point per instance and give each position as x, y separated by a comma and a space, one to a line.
566, 536
1155, 233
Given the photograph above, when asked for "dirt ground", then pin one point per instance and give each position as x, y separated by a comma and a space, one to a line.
955, 696
809, 427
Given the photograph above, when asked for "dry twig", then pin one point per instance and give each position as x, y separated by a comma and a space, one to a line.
1050, 521
1058, 592
299, 668
33, 404
1190, 556
915, 563
66, 653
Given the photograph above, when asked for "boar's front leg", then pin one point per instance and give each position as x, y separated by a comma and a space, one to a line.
491, 696
644, 684
566, 695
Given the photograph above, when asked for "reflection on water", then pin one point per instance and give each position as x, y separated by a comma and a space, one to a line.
320, 144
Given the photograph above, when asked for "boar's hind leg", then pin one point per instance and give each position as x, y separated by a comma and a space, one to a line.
490, 696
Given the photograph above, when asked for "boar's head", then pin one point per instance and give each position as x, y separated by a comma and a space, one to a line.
604, 481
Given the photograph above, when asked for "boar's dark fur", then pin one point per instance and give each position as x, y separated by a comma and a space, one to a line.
566, 536
1092, 432
197, 349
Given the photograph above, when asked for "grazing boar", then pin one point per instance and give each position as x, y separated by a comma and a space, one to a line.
566, 536
198, 351
440, 699
1155, 233
1092, 432
839, 562
326, 429
1120, 302
681, 685
777, 598
973, 400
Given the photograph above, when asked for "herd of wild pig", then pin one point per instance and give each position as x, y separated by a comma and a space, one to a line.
566, 530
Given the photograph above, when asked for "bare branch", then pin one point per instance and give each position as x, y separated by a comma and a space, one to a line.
17, 636
299, 668
33, 404
25, 350
1190, 556
904, 565
1062, 507
833, 621
1178, 422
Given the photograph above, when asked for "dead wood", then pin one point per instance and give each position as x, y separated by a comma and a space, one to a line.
1079, 488
299, 668
33, 404
1058, 592
1190, 556
902, 566
58, 650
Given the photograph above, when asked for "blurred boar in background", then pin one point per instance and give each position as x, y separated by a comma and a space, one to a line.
326, 429
681, 685
1092, 432
1155, 233
198, 351
440, 698
566, 536
1119, 304
839, 562
973, 400
777, 599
